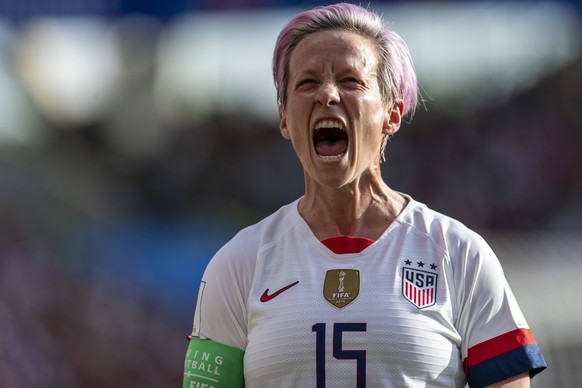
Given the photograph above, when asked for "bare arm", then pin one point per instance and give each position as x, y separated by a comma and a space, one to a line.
519, 381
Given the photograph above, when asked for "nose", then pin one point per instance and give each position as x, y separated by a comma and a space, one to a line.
327, 94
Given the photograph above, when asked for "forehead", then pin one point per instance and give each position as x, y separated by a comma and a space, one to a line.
334, 48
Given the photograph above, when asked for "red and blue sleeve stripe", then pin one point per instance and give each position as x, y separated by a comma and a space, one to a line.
502, 357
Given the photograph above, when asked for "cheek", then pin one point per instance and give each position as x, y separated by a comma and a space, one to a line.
371, 133
371, 117
297, 122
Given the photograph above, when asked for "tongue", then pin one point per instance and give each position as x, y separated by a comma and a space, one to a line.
331, 148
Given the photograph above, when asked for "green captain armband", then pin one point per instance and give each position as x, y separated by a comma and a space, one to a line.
210, 364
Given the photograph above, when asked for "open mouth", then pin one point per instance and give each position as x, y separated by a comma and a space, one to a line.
330, 139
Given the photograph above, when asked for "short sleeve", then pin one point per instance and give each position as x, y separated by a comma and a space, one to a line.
497, 342
221, 312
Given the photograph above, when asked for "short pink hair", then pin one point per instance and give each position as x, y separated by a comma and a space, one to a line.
396, 74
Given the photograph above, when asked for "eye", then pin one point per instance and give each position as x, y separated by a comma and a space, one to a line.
306, 81
352, 80
306, 84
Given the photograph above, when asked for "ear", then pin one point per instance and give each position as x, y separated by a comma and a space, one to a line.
283, 124
393, 118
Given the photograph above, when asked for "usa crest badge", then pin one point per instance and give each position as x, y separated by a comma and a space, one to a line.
419, 287
341, 286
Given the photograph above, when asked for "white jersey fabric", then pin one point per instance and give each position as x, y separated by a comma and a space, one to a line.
426, 304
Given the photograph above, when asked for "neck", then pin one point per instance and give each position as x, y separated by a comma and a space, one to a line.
364, 208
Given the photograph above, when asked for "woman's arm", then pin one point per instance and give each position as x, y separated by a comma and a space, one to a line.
518, 381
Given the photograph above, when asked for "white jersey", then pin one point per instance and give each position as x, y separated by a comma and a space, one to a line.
426, 304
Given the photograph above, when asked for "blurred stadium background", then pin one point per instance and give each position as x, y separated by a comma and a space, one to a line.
136, 137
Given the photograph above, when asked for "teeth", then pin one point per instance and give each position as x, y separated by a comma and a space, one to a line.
329, 124
331, 157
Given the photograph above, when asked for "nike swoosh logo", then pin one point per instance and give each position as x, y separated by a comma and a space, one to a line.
266, 297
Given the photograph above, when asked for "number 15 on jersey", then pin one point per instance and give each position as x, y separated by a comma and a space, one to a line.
338, 351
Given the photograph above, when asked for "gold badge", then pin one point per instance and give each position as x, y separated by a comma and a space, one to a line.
341, 286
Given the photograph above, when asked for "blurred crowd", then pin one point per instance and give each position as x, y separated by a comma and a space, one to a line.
515, 165
68, 320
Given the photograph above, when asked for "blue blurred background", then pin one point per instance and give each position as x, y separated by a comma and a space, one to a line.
136, 137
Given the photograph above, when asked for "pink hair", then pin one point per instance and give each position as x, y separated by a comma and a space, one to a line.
396, 74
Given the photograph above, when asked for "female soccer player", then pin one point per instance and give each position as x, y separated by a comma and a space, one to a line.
354, 284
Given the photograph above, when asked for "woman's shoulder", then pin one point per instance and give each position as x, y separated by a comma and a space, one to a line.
443, 230
253, 238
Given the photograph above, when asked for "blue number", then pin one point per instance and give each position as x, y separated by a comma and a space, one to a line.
319, 328
338, 351
358, 355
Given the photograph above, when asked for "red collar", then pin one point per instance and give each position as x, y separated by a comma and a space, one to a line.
347, 244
